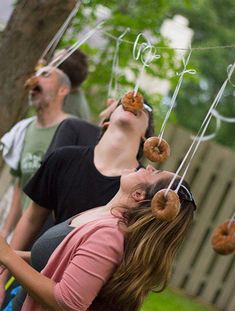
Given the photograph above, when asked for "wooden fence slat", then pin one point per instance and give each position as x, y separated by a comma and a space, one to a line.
206, 254
186, 257
222, 264
227, 288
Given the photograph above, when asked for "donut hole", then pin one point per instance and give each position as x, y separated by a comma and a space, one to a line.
165, 205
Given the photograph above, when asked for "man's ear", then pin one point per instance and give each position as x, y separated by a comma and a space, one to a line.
63, 91
138, 195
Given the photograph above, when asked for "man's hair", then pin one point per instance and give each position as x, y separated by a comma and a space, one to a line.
76, 68
63, 78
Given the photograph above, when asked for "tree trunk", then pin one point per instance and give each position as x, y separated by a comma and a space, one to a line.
28, 32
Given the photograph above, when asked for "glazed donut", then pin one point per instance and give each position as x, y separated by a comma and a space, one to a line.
223, 238
131, 102
154, 151
165, 207
31, 83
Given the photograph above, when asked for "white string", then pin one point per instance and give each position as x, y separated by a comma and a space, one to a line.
230, 76
62, 57
222, 118
218, 118
201, 133
115, 66
202, 48
231, 220
146, 52
172, 103
54, 42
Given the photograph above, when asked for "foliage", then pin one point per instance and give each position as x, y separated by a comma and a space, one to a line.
213, 22
170, 300
139, 16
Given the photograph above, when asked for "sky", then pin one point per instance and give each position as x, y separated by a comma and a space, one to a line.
5, 10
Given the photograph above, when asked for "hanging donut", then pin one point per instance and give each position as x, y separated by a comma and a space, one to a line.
156, 149
132, 102
40, 64
165, 205
223, 238
31, 83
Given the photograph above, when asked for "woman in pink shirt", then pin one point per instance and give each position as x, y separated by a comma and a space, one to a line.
114, 255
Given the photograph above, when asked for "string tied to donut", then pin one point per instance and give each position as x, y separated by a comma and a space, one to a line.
133, 102
223, 238
165, 205
113, 83
156, 149
146, 52
199, 137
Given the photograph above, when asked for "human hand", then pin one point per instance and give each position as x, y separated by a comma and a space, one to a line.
2, 290
111, 105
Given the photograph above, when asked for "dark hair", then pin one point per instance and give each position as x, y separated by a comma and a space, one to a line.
149, 132
76, 68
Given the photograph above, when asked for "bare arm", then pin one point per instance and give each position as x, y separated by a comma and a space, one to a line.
38, 286
29, 226
14, 213
26, 230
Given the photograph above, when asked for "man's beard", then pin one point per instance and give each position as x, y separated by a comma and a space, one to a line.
42, 102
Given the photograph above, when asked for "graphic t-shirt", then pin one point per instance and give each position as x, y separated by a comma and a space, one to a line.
36, 142
68, 183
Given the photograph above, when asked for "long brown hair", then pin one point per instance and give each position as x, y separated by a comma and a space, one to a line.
150, 248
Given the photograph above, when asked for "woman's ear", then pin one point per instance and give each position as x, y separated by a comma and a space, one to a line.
138, 195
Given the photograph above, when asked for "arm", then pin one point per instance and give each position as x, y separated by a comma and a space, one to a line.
14, 213
29, 226
38, 286
24, 234
91, 266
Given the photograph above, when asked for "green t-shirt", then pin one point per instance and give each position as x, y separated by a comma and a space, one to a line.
36, 142
76, 104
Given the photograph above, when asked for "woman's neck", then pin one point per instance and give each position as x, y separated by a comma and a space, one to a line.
115, 152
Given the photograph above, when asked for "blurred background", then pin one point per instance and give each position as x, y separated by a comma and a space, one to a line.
207, 28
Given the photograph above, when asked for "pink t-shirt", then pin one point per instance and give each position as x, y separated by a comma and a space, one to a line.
82, 264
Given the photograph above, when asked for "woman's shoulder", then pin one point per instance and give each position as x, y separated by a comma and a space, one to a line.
68, 153
78, 124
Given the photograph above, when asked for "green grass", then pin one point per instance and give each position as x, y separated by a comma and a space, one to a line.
171, 300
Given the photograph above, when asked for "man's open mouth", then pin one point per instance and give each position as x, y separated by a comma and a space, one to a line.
36, 90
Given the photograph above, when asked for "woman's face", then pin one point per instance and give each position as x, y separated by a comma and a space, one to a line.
130, 179
137, 122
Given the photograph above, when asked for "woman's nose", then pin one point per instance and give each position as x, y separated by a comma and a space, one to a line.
150, 168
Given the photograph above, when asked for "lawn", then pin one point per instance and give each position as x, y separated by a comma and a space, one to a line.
171, 300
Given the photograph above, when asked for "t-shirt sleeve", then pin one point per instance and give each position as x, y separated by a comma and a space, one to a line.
42, 188
65, 135
93, 264
74, 132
